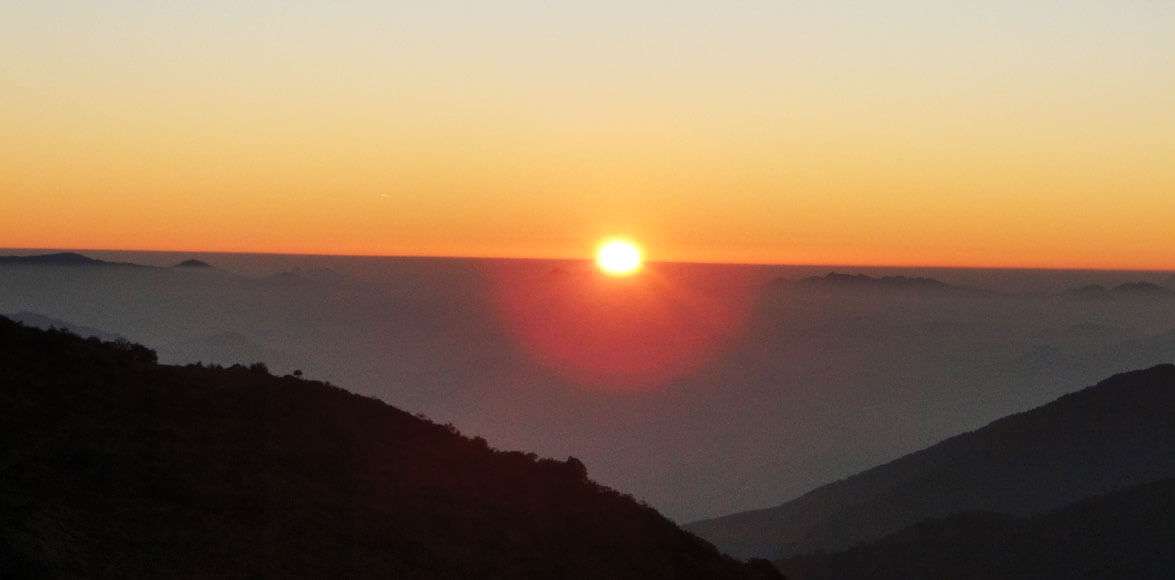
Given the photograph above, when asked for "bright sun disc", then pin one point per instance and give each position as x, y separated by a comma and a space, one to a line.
619, 258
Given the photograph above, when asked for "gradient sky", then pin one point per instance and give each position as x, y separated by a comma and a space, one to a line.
942, 133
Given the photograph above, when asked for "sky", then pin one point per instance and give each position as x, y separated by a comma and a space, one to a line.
986, 133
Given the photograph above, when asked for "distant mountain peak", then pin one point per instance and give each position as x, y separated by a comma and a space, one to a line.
58, 259
864, 282
65, 258
193, 263
1127, 289
1089, 289
867, 280
1142, 288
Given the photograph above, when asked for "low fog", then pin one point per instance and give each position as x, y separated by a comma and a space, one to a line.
730, 387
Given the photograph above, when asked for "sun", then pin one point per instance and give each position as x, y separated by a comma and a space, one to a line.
618, 257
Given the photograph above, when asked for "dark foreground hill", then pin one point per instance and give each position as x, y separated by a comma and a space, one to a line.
46, 322
1125, 534
1118, 433
114, 466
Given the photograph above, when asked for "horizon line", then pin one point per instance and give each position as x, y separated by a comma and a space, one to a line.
425, 256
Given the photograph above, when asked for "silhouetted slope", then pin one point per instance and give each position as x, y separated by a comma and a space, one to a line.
114, 466
46, 322
59, 259
1124, 534
1120, 432
224, 348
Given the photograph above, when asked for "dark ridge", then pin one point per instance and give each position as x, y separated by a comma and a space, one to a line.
1117, 433
59, 259
838, 279
1126, 534
864, 282
193, 263
1088, 291
116, 466
1142, 288
45, 323
1128, 289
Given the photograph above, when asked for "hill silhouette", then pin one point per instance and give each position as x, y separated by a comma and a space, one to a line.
225, 348
864, 282
1117, 433
41, 321
59, 259
1125, 290
193, 263
1126, 534
114, 465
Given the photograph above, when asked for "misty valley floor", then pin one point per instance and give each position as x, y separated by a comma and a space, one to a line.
929, 400
811, 378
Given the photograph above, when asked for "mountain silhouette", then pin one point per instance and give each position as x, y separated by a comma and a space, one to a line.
193, 263
1126, 534
116, 466
224, 348
864, 282
1114, 434
1143, 289
1125, 290
59, 259
45, 322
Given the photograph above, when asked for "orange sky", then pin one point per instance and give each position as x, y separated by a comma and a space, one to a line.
938, 133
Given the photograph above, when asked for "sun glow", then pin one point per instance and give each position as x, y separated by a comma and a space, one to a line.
619, 257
